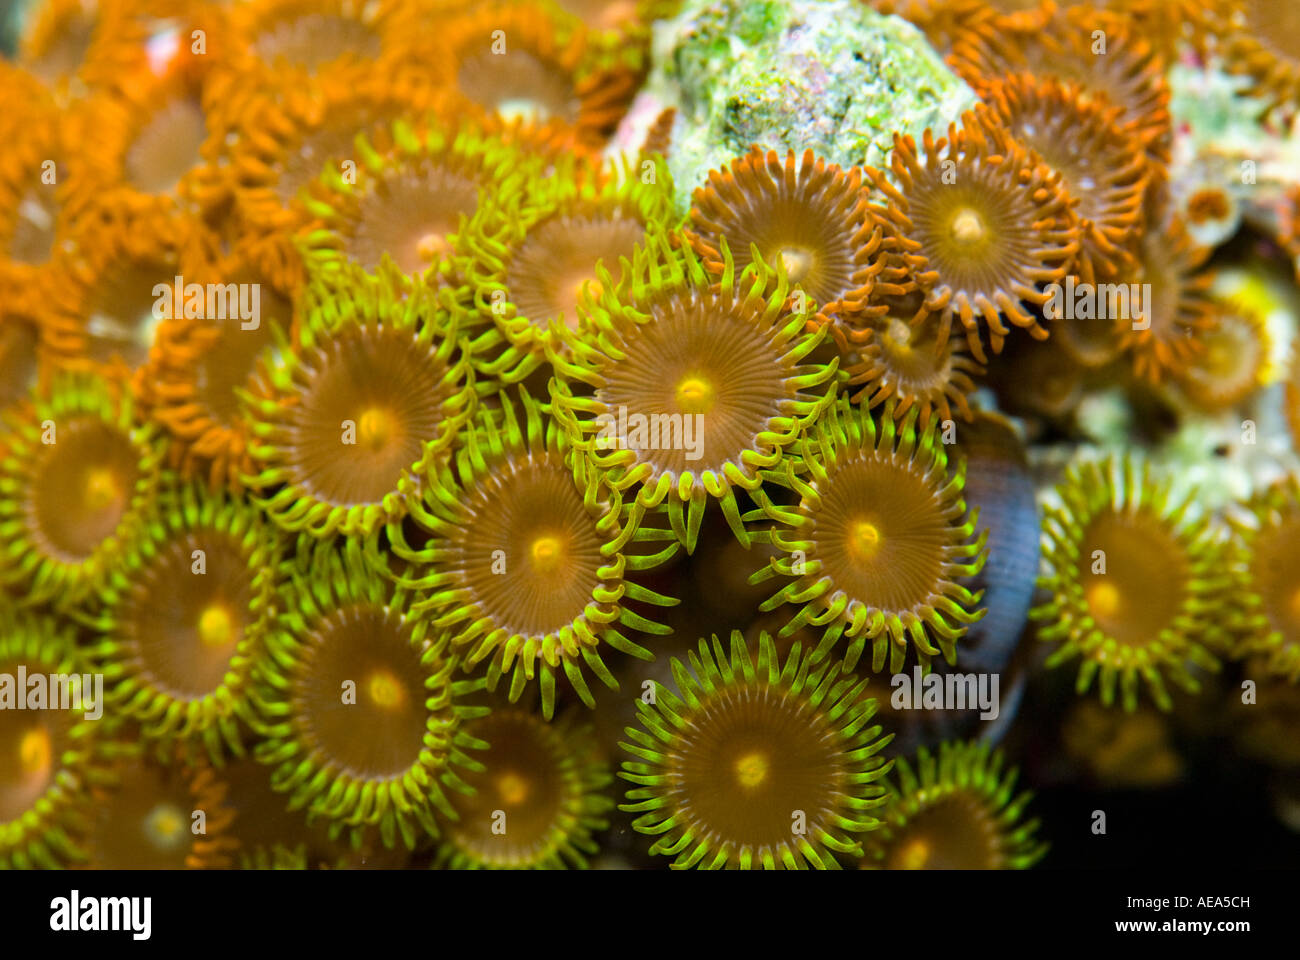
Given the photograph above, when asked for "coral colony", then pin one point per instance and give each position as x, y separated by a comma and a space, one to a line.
564, 433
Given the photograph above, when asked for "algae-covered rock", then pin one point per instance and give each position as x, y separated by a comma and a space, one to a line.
830, 75
1225, 141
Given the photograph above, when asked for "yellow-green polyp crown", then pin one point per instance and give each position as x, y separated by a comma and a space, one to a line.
755, 763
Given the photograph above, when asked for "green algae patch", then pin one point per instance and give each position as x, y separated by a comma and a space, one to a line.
830, 75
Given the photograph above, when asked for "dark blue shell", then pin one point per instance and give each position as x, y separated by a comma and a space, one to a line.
998, 482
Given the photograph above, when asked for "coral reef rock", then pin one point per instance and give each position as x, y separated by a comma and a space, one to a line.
830, 75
